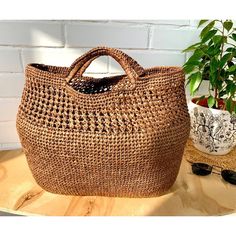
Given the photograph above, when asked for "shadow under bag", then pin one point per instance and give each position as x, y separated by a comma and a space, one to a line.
120, 136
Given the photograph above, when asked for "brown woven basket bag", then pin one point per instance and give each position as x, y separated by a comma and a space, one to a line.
126, 140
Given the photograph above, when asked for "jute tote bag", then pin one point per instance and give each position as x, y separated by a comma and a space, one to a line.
119, 136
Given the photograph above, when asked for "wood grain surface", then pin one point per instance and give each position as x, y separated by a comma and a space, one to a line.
190, 195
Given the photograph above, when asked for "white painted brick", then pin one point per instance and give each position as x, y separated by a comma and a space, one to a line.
8, 108
24, 33
113, 35
11, 85
150, 59
8, 133
62, 57
168, 22
10, 60
154, 22
194, 23
174, 39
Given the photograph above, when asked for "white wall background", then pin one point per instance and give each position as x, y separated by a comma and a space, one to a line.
151, 43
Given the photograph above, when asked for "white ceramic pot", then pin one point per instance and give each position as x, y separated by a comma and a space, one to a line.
213, 131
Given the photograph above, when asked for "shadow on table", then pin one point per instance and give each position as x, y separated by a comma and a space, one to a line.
184, 200
9, 154
8, 214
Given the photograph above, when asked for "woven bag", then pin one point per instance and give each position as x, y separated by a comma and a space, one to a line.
126, 141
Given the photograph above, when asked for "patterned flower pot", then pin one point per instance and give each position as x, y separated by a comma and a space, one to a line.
213, 131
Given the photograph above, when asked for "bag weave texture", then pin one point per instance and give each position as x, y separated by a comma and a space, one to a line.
124, 142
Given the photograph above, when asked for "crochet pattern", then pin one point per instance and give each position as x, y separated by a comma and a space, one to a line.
126, 141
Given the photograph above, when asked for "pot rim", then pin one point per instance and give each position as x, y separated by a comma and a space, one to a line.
213, 110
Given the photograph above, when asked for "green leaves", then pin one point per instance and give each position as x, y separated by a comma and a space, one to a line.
201, 22
213, 51
211, 101
232, 68
197, 55
232, 88
207, 29
229, 104
224, 59
214, 65
231, 49
228, 25
206, 72
194, 61
208, 35
191, 48
213, 59
189, 68
195, 80
217, 39
234, 37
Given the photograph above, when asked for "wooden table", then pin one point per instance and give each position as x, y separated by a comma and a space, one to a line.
190, 195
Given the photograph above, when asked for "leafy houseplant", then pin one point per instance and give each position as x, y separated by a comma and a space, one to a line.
214, 59
213, 116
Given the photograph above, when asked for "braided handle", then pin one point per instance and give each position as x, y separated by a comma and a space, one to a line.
129, 65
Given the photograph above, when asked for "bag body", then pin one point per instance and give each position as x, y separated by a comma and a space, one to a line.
126, 141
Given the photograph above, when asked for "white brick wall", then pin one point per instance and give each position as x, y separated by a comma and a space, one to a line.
9, 108
11, 85
112, 35
27, 33
150, 42
173, 38
149, 58
10, 60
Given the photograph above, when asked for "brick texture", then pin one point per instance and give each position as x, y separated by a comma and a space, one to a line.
174, 38
11, 84
31, 33
112, 35
8, 135
10, 60
9, 108
150, 59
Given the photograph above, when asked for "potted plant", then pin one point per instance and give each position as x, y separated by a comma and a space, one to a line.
213, 116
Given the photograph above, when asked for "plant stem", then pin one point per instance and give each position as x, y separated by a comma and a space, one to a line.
221, 54
216, 93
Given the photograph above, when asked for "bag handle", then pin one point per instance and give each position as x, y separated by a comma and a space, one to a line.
129, 65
